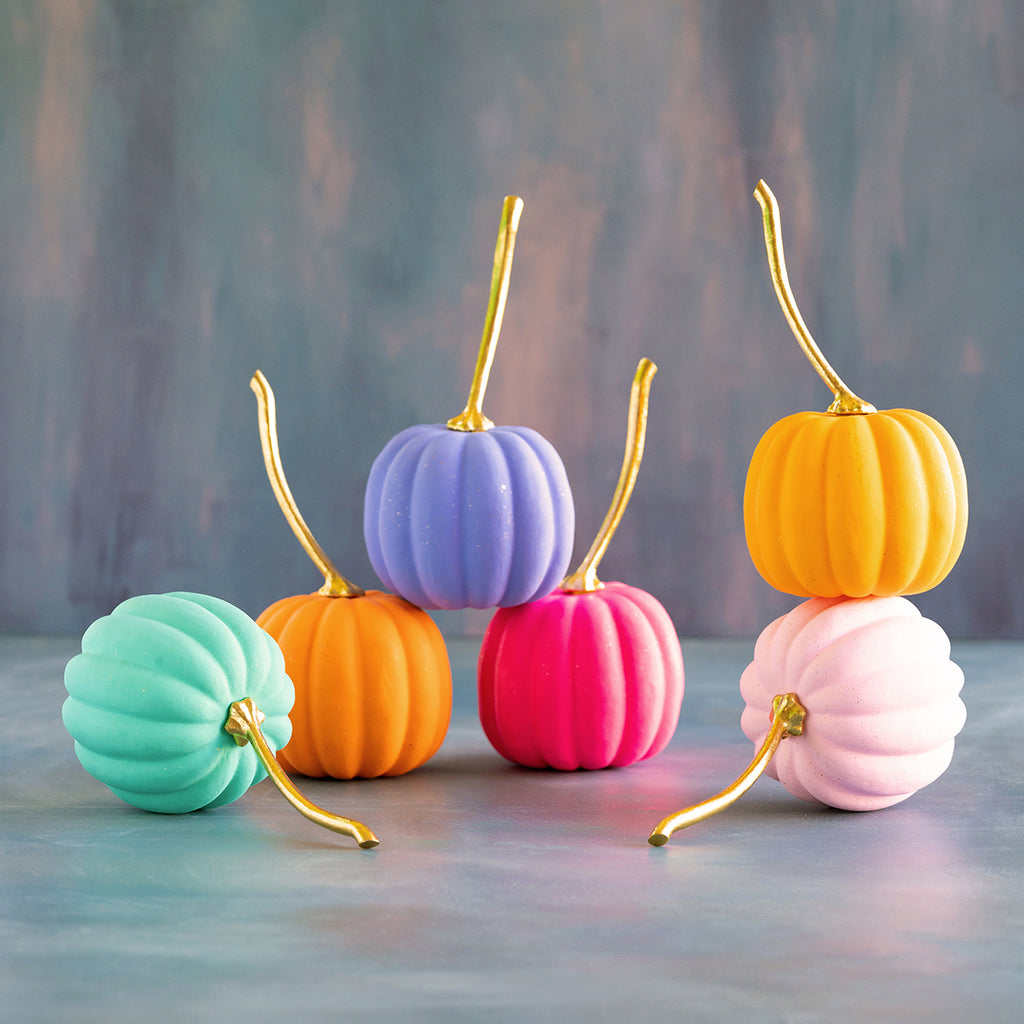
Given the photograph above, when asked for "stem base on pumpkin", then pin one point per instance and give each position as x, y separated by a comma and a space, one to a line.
243, 724
845, 402
788, 716
335, 585
584, 580
472, 418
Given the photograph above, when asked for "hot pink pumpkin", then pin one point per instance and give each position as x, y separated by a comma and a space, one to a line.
581, 680
881, 695
590, 676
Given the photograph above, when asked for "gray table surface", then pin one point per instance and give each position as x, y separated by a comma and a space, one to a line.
502, 894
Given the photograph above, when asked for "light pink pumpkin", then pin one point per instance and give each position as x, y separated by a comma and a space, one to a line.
881, 695
581, 680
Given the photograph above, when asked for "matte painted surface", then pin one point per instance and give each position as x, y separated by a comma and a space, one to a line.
852, 505
373, 686
150, 692
503, 894
469, 519
194, 190
581, 680
881, 693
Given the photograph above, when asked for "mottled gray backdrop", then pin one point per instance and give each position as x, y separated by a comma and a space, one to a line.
192, 190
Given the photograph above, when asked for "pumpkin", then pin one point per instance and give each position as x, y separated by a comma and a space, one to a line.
467, 514
178, 701
853, 501
149, 694
373, 685
590, 676
850, 702
880, 692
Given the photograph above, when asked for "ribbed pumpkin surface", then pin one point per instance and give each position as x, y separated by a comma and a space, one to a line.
855, 504
581, 680
149, 695
881, 694
373, 685
458, 519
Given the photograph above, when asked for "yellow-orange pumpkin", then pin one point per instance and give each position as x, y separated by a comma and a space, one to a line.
852, 501
855, 504
373, 689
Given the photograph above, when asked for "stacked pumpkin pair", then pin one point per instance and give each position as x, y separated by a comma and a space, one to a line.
467, 514
853, 509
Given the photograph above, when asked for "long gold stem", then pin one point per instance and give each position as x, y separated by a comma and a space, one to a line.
243, 723
788, 716
584, 580
335, 585
472, 417
845, 401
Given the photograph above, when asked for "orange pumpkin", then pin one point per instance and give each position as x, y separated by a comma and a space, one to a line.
851, 501
373, 684
373, 691
855, 504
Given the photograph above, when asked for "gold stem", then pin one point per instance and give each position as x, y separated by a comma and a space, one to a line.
335, 585
584, 580
788, 716
243, 723
472, 418
845, 401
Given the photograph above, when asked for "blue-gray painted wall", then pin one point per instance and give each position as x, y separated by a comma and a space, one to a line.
193, 190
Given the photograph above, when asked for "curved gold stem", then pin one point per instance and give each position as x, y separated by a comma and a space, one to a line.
584, 580
243, 723
845, 401
335, 585
472, 417
788, 716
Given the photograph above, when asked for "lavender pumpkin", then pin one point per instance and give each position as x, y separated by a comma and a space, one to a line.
468, 514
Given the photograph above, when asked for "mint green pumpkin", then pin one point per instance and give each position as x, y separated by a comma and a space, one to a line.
150, 693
